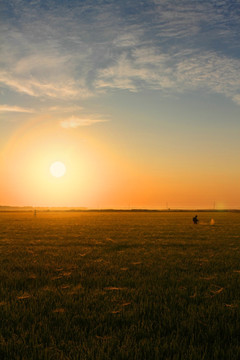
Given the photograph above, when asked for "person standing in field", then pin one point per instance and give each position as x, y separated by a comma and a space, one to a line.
195, 219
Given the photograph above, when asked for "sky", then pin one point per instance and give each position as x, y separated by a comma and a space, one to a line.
140, 99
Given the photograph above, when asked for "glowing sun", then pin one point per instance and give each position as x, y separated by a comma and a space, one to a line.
58, 169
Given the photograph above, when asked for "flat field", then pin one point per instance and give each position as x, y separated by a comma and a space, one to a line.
119, 285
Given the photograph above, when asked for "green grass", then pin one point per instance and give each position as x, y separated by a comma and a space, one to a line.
104, 286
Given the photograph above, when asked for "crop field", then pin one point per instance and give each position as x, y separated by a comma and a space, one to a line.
119, 285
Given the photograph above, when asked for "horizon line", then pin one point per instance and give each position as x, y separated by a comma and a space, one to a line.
108, 209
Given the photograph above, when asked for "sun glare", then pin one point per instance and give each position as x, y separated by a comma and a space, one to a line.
57, 169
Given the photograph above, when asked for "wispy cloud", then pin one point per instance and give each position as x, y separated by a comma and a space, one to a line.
178, 73
219, 74
44, 88
9, 108
86, 48
74, 122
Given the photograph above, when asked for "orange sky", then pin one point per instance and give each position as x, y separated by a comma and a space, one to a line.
99, 174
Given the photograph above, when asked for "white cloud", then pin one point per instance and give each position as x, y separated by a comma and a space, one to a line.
9, 108
75, 122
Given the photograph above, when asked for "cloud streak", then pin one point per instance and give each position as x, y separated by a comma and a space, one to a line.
18, 109
74, 122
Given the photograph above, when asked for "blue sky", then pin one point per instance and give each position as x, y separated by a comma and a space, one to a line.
157, 79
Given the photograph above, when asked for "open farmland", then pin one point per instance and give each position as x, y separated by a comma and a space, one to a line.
119, 285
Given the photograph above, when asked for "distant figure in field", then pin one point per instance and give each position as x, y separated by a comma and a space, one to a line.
195, 219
